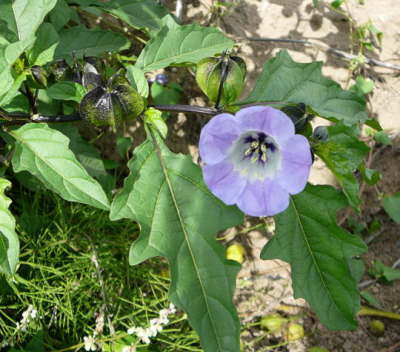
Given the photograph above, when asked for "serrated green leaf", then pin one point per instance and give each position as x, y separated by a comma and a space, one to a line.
137, 13
45, 45
343, 153
137, 79
285, 80
9, 244
183, 44
30, 14
319, 252
391, 204
44, 152
80, 41
179, 219
66, 90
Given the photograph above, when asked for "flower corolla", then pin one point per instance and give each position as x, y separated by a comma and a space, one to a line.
254, 159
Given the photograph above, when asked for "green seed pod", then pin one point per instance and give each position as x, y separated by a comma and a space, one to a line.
377, 327
111, 106
295, 332
273, 322
210, 72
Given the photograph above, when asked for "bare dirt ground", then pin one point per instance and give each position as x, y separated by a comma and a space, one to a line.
265, 286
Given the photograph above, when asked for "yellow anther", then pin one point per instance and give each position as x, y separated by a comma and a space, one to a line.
264, 157
264, 148
254, 158
254, 144
248, 152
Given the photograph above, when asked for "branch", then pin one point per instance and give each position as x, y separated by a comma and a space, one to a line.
326, 48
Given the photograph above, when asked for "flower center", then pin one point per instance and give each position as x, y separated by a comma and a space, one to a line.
256, 156
259, 148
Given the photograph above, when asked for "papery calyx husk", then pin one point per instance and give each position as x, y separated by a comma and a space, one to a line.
209, 74
112, 103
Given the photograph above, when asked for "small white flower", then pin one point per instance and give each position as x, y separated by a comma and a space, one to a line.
33, 313
143, 334
129, 349
90, 343
131, 330
172, 308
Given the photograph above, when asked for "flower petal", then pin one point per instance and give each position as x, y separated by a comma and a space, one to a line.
271, 121
217, 136
295, 165
224, 182
263, 198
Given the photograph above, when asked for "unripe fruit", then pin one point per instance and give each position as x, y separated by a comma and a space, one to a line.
273, 322
236, 252
109, 106
210, 73
295, 332
377, 327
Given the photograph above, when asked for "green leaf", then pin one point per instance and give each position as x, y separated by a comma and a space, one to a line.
137, 13
87, 155
61, 14
370, 176
66, 90
137, 79
153, 117
337, 3
123, 144
319, 252
179, 219
8, 25
81, 41
384, 272
45, 45
169, 94
362, 86
183, 44
391, 204
30, 14
382, 138
371, 300
343, 153
8, 55
44, 152
285, 80
9, 244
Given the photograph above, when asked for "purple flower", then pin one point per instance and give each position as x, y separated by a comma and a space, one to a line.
254, 159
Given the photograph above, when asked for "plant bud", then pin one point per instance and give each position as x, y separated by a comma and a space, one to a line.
273, 322
295, 332
377, 327
236, 252
210, 72
321, 133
